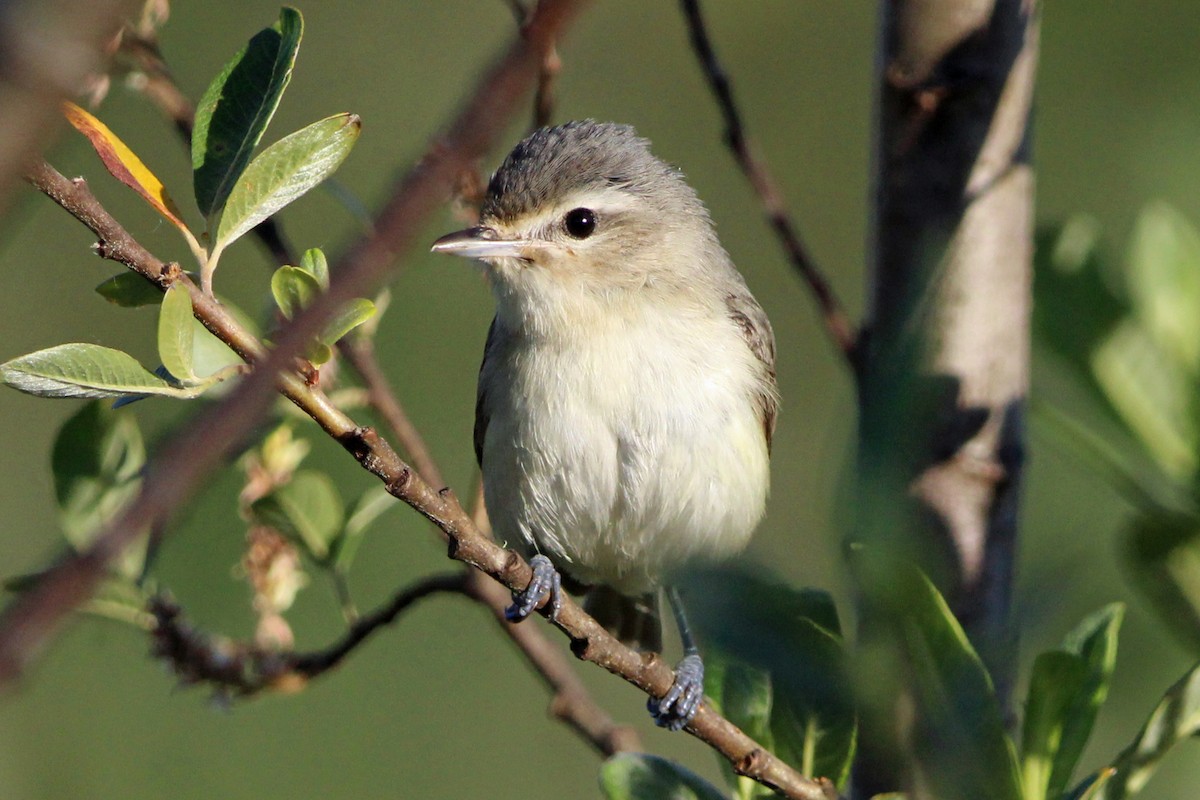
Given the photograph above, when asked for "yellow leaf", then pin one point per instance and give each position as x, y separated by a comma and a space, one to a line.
123, 164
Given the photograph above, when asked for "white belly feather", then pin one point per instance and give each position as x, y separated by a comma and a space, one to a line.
624, 452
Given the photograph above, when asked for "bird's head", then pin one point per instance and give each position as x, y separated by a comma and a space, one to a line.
585, 207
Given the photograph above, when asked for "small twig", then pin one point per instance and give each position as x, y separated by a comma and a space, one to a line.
360, 353
543, 99
310, 665
837, 323
571, 702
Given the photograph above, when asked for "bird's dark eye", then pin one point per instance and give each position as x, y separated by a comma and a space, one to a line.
580, 222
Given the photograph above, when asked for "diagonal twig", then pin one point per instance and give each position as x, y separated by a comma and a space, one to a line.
837, 323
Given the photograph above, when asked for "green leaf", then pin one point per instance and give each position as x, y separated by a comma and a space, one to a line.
1176, 718
640, 776
130, 290
314, 263
1057, 679
1152, 395
237, 106
307, 509
293, 290
84, 370
97, 462
176, 334
791, 639
349, 317
284, 171
1092, 787
1163, 555
1164, 282
958, 734
743, 695
368, 508
1094, 642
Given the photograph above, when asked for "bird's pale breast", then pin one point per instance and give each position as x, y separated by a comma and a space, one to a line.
627, 447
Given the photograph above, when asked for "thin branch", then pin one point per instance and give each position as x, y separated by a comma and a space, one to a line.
837, 323
247, 669
310, 665
46, 55
360, 352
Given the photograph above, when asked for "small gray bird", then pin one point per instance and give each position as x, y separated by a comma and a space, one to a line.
627, 394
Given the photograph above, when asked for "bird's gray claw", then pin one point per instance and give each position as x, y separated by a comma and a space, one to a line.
677, 707
546, 582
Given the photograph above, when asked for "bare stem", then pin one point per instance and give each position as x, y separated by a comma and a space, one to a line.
754, 167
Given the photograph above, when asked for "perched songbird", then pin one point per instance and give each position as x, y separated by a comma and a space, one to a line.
627, 395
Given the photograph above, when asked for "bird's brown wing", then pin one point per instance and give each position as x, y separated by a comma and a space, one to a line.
756, 330
482, 412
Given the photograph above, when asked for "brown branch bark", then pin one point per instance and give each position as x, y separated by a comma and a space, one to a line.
945, 364
28, 623
837, 324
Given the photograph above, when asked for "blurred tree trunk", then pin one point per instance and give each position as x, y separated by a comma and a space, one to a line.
944, 361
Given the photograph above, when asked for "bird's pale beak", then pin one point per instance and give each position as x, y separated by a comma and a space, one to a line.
483, 242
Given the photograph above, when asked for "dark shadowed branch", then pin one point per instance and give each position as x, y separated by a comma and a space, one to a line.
837, 324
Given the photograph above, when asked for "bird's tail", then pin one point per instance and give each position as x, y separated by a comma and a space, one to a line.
633, 620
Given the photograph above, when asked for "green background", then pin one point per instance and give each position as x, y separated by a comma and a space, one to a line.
441, 706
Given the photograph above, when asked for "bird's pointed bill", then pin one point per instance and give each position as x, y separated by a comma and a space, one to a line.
483, 242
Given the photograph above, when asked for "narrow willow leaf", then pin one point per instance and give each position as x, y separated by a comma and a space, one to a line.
1163, 553
1094, 642
176, 334
84, 370
1057, 678
640, 776
123, 164
285, 171
1175, 719
238, 105
1152, 396
209, 354
749, 623
349, 317
959, 737
130, 290
1093, 787
743, 695
97, 462
1164, 282
307, 509
293, 290
368, 508
314, 263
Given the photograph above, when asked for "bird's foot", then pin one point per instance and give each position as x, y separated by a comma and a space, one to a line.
546, 582
677, 707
